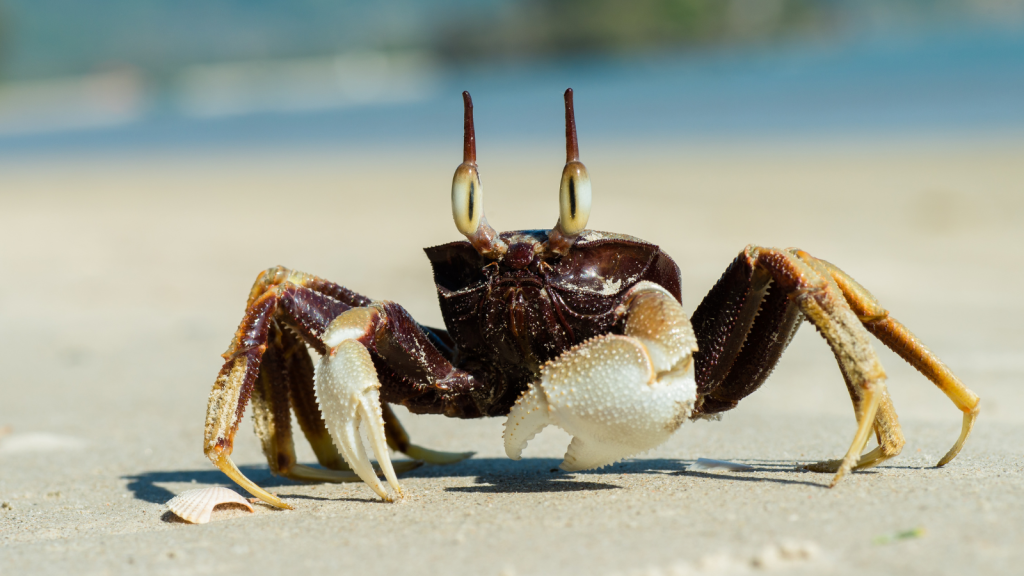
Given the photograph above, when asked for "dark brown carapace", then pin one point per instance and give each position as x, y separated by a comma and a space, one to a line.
508, 316
539, 324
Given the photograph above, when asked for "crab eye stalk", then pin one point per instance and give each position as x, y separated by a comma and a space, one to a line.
467, 199
468, 195
574, 191
574, 199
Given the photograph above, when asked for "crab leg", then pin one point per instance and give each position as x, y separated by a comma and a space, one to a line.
398, 440
306, 305
298, 373
618, 395
887, 431
901, 341
825, 307
744, 325
843, 312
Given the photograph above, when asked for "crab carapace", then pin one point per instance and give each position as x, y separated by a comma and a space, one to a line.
572, 327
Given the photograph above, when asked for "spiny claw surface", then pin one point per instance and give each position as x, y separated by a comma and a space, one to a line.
608, 394
346, 390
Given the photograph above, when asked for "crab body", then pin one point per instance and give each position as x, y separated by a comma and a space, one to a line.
508, 317
568, 327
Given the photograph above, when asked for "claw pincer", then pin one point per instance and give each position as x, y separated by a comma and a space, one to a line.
617, 395
347, 392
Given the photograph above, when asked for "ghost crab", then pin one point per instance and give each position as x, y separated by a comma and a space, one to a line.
581, 329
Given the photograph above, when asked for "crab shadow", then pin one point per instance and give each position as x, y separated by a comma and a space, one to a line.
146, 485
543, 474
499, 475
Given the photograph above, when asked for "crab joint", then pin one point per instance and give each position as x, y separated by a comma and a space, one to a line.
468, 195
574, 190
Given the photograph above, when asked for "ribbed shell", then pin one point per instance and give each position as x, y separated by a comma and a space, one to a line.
196, 506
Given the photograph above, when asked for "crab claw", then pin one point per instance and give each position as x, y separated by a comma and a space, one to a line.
346, 389
617, 395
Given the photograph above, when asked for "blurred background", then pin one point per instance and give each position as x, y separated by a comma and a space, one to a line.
113, 73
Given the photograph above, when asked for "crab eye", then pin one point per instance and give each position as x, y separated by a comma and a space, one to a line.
574, 199
468, 199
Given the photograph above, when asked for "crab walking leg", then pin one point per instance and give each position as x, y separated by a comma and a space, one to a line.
741, 334
304, 302
618, 395
887, 425
346, 389
824, 306
903, 342
227, 401
743, 326
887, 431
398, 440
271, 408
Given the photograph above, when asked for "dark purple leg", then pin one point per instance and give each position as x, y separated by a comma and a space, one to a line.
412, 371
267, 363
748, 319
743, 326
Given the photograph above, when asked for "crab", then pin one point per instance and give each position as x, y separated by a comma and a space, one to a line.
570, 327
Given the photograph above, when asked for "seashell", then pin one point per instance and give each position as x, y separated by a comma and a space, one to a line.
196, 506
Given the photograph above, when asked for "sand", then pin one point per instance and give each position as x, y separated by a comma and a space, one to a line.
126, 274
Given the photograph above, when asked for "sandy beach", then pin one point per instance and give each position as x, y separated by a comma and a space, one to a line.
126, 275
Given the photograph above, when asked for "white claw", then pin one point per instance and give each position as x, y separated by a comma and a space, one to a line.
610, 396
346, 389
528, 417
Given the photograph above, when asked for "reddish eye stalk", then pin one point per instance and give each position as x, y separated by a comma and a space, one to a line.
468, 194
469, 138
574, 190
572, 147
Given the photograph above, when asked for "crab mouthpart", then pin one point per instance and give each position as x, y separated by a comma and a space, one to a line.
609, 396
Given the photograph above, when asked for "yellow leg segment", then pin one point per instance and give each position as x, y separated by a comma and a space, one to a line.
903, 342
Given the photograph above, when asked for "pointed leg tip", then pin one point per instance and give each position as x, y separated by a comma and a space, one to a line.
968, 425
435, 456
274, 501
949, 456
838, 477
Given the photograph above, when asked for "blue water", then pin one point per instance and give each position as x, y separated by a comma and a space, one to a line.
953, 82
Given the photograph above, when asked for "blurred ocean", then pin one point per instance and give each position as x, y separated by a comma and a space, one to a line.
943, 82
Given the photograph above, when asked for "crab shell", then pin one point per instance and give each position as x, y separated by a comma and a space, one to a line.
526, 309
